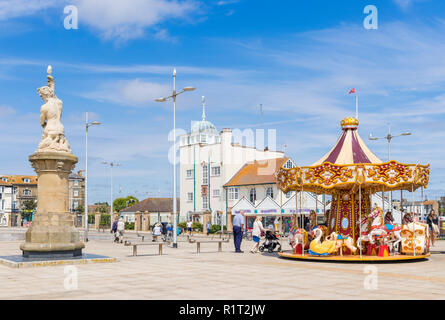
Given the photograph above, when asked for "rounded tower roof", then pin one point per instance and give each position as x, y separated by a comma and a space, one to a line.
204, 125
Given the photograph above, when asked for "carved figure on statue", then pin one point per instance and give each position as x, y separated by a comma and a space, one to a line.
53, 136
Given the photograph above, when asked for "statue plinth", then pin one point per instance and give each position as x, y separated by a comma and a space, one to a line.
52, 233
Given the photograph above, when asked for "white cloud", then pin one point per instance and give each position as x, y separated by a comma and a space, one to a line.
16, 8
6, 111
130, 92
124, 20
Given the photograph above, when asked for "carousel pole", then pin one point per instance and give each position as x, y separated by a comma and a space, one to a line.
302, 218
412, 217
360, 213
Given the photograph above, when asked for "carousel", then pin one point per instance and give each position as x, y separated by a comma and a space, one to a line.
356, 230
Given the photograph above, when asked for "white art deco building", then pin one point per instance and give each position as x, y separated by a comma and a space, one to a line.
208, 160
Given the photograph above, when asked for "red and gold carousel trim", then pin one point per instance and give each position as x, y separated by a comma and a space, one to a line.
328, 177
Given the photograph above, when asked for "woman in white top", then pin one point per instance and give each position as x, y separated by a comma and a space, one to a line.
256, 233
156, 232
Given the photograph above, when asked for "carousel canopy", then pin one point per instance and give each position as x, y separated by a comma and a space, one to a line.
349, 148
350, 165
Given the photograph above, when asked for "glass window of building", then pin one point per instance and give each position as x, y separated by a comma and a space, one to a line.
216, 171
252, 195
76, 182
216, 193
205, 175
189, 174
269, 192
76, 193
233, 193
26, 192
190, 196
205, 203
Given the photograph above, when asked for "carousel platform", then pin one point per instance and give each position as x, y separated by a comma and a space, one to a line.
399, 258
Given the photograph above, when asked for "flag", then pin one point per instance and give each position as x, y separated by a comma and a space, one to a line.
352, 91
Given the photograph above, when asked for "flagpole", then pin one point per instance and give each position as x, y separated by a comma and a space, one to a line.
356, 106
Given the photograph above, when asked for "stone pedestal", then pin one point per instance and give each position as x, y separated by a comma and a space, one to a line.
52, 233
229, 222
97, 220
146, 221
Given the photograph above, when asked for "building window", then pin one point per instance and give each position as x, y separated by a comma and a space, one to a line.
289, 164
76, 182
190, 196
75, 204
216, 193
269, 192
216, 171
205, 175
205, 203
26, 180
27, 192
14, 190
233, 193
76, 193
189, 174
203, 138
252, 195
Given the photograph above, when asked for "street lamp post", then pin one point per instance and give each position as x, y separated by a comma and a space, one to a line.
173, 97
389, 137
111, 164
87, 125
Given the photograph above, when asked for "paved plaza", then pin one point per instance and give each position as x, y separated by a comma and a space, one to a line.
183, 274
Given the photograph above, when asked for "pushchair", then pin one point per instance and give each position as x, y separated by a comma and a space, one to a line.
272, 242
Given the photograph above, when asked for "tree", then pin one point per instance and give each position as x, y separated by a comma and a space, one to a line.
80, 209
122, 203
28, 207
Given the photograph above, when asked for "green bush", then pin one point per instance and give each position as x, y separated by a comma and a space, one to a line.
91, 218
216, 227
183, 225
129, 225
197, 225
104, 220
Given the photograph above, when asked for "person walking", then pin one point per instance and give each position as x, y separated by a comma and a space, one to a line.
256, 234
120, 229
208, 225
157, 230
433, 225
189, 227
169, 232
238, 226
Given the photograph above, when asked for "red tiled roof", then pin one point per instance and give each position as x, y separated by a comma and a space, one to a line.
153, 205
257, 172
18, 179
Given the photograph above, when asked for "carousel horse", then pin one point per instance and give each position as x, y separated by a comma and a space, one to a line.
297, 236
319, 248
342, 241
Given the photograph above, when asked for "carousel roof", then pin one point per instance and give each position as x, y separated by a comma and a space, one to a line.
350, 165
349, 148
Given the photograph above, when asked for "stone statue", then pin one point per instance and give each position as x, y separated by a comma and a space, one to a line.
53, 137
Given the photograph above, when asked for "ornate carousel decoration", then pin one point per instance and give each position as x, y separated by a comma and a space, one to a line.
351, 173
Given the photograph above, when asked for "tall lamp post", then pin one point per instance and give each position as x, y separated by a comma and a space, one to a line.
111, 164
389, 137
173, 97
87, 125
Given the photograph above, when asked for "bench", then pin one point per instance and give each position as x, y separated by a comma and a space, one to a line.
198, 243
135, 246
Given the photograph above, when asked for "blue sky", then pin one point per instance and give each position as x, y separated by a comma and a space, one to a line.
298, 59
